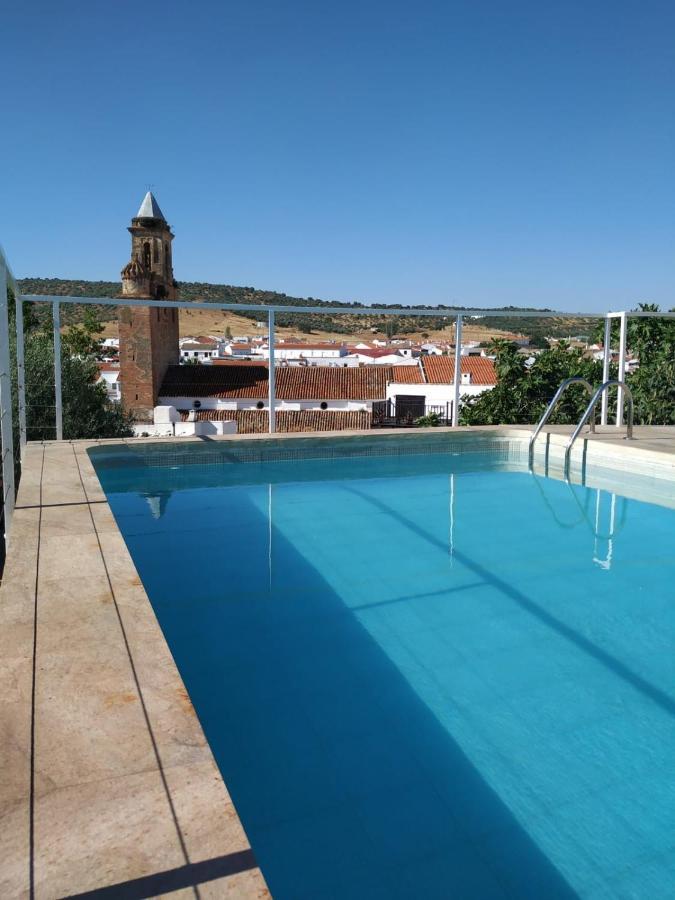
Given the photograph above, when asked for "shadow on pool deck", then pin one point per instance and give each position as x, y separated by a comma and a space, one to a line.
346, 782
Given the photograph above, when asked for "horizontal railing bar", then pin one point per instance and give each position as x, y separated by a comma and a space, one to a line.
334, 310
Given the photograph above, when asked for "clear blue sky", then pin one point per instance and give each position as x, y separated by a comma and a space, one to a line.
482, 153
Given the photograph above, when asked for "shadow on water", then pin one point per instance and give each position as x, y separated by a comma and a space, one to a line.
346, 782
614, 665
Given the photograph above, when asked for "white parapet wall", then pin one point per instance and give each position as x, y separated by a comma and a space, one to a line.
167, 423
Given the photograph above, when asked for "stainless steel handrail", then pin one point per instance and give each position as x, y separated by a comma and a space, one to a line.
590, 410
576, 379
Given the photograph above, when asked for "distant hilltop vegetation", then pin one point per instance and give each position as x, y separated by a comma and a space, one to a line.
534, 328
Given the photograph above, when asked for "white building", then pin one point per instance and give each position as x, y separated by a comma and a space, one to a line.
321, 353
109, 374
430, 386
199, 350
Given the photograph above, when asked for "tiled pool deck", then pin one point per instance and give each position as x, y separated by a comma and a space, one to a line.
107, 784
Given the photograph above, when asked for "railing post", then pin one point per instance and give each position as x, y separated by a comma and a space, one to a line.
623, 318
458, 370
20, 373
271, 399
6, 407
605, 368
58, 399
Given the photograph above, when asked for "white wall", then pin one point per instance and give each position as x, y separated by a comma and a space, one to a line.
215, 403
435, 394
183, 429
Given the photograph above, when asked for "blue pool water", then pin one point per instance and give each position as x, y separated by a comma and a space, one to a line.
422, 676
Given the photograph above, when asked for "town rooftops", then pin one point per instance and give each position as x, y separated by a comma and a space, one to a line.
248, 380
240, 381
292, 345
149, 208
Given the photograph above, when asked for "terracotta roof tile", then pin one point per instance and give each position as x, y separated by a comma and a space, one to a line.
441, 369
225, 382
407, 374
234, 380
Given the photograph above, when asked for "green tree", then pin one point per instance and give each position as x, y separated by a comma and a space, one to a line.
87, 412
522, 394
652, 341
83, 339
430, 420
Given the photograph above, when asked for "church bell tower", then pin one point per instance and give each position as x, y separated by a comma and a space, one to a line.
149, 273
148, 335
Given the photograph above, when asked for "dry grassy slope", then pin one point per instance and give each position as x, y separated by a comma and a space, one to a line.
197, 322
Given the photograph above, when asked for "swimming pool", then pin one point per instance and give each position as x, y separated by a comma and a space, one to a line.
422, 673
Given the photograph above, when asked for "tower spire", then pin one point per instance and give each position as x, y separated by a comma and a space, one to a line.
149, 208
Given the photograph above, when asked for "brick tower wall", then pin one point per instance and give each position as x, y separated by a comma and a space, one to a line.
148, 346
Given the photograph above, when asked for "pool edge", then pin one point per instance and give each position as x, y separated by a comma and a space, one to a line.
107, 778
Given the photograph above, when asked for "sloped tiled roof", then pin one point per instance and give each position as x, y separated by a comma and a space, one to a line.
331, 383
235, 380
407, 374
255, 421
441, 369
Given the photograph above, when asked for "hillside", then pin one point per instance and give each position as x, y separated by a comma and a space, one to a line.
318, 325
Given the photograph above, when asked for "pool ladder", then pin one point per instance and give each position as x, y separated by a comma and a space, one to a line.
588, 414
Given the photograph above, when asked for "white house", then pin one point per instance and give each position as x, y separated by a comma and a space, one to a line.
430, 387
320, 353
109, 374
199, 350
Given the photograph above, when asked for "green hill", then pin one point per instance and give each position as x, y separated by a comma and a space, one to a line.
534, 328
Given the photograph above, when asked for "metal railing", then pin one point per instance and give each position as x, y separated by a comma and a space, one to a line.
590, 411
549, 409
10, 424
390, 414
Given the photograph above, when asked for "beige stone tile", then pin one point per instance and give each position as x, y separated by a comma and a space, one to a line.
65, 520
93, 490
103, 518
16, 678
69, 556
60, 472
178, 734
104, 833
121, 569
29, 494
62, 492
248, 885
208, 820
22, 553
76, 612
14, 849
89, 722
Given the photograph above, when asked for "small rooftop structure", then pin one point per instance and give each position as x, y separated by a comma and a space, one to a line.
149, 208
